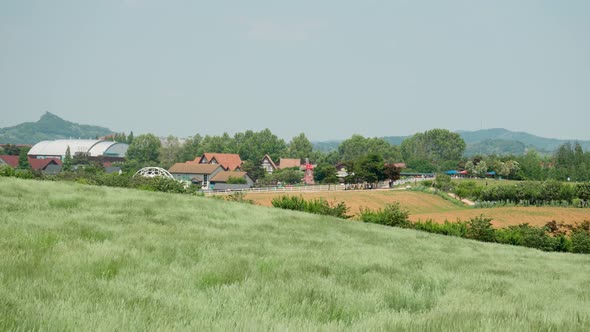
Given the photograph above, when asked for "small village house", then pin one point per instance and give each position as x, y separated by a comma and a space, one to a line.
221, 179
199, 174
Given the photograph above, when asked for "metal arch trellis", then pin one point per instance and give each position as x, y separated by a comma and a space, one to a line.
152, 172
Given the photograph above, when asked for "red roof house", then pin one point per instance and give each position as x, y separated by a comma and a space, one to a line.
229, 161
12, 161
42, 164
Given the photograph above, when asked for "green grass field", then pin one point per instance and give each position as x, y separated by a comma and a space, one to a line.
75, 257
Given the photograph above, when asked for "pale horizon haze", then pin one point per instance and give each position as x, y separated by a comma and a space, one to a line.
329, 69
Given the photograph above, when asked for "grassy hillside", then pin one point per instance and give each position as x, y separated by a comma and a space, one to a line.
76, 257
49, 127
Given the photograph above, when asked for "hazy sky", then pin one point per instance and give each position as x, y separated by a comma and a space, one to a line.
326, 68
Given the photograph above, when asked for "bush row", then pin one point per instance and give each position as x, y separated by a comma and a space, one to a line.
537, 193
549, 238
316, 206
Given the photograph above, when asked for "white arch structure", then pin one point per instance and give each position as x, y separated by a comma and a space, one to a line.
152, 172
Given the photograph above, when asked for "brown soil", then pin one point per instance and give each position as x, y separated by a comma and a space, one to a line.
423, 206
506, 216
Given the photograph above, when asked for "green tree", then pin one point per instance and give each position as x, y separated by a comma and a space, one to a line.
12, 150
391, 172
190, 149
67, 163
218, 144
325, 173
170, 152
564, 162
370, 168
288, 175
145, 149
120, 137
23, 159
130, 138
254, 169
300, 147
443, 182
358, 146
480, 169
466, 189
530, 166
435, 146
254, 145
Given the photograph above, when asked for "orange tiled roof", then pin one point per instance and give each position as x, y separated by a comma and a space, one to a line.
193, 168
289, 163
229, 161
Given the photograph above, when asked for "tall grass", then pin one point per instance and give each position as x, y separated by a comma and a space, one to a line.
76, 257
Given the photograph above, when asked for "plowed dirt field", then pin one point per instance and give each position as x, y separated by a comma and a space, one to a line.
424, 206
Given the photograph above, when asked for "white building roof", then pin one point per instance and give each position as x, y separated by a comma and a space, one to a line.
93, 147
99, 148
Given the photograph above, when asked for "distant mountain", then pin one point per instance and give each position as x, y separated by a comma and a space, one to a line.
49, 127
486, 141
539, 143
495, 146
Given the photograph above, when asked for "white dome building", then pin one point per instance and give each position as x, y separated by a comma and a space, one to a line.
87, 147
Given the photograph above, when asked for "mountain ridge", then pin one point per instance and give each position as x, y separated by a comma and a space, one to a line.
49, 127
486, 141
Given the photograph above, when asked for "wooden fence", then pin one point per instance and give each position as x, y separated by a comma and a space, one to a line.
320, 187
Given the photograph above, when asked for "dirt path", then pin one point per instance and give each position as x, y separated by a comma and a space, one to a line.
464, 200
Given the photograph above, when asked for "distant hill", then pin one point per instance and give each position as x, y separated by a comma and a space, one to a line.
539, 143
486, 141
49, 127
495, 146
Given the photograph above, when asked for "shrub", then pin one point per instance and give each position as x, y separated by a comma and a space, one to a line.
296, 203
466, 189
112, 180
568, 192
317, 206
536, 237
562, 243
391, 215
24, 174
157, 184
426, 183
321, 206
6, 170
480, 228
580, 241
237, 196
443, 182
508, 236
583, 190
236, 180
551, 190
458, 229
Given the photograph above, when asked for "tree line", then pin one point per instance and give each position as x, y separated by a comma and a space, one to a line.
436, 150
